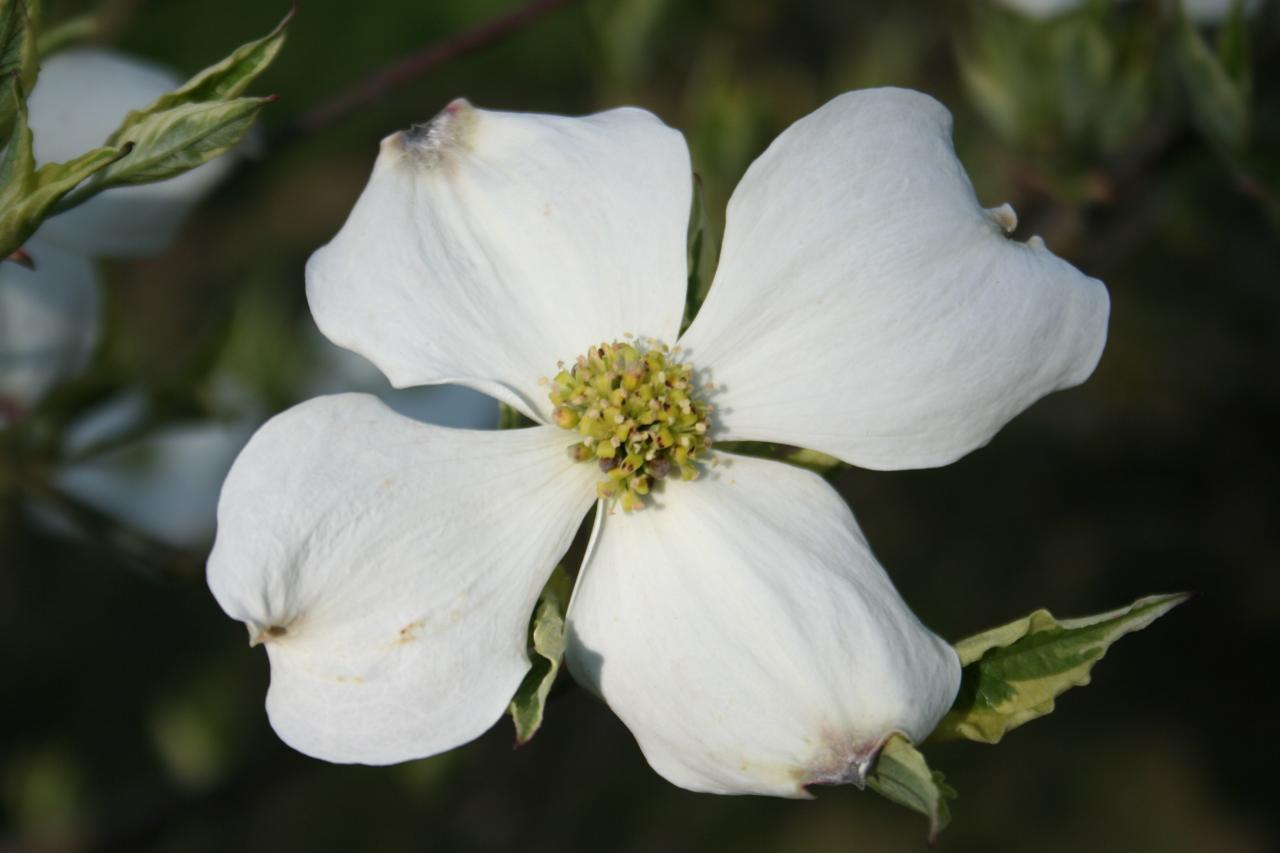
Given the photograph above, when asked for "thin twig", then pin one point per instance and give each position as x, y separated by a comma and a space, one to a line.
415, 64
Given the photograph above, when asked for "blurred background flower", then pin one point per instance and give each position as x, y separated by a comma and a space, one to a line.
1143, 151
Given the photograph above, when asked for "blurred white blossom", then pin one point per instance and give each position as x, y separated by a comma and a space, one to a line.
49, 321
165, 482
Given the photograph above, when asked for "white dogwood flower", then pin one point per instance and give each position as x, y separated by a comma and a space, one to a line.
865, 305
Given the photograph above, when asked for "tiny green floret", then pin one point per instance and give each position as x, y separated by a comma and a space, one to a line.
639, 415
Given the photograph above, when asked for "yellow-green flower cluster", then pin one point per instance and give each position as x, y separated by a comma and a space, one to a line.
640, 419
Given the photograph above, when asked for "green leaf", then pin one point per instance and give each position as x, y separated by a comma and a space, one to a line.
69, 32
1013, 674
901, 775
19, 22
178, 140
1233, 48
1219, 104
699, 281
191, 125
812, 460
509, 417
546, 646
222, 81
27, 194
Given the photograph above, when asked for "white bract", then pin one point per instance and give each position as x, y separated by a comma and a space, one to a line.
81, 96
865, 305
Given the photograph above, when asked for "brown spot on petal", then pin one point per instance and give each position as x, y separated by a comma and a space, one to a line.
409, 632
267, 634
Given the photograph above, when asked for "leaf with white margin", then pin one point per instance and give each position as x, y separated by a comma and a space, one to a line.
742, 630
487, 246
868, 307
80, 99
180, 139
28, 194
546, 641
901, 774
196, 122
49, 319
390, 567
221, 81
1014, 673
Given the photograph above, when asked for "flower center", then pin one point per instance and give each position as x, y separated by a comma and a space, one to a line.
638, 413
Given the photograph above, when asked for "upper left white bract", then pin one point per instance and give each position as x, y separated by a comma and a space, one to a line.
866, 305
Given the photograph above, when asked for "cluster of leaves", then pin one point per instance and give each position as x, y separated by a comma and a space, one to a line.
181, 130
1011, 675
1108, 79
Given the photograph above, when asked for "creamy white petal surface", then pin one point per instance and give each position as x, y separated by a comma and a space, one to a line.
49, 321
487, 246
80, 98
747, 637
390, 568
867, 306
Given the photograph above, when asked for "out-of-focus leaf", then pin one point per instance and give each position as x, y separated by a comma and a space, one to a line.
1233, 48
624, 30
69, 32
19, 23
1013, 674
1002, 59
28, 194
221, 81
1084, 59
1125, 106
1219, 105
900, 774
546, 646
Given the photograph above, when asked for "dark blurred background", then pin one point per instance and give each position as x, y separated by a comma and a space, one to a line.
131, 713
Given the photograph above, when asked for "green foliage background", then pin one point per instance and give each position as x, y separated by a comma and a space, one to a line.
132, 718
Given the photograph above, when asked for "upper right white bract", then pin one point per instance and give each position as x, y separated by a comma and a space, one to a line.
867, 305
